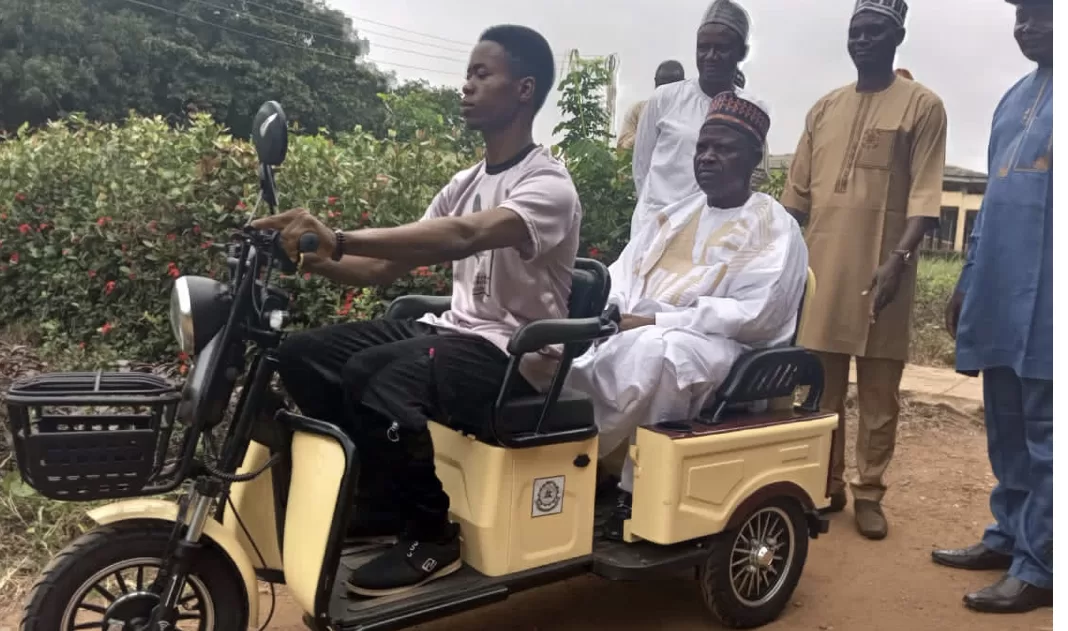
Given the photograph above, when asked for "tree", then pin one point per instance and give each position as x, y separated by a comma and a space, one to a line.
418, 107
176, 57
585, 116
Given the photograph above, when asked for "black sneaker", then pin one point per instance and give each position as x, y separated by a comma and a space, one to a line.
407, 565
613, 527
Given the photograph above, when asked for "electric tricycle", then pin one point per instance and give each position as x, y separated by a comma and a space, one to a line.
732, 496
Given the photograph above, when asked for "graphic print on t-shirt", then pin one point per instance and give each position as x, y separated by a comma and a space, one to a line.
483, 262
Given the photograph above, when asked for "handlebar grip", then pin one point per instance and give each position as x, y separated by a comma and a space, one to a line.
309, 242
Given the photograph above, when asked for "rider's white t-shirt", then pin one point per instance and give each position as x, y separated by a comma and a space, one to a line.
496, 292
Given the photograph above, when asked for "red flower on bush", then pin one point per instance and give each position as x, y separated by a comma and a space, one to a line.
103, 220
81, 345
14, 258
43, 227
183, 369
594, 252
152, 225
172, 237
183, 356
347, 307
109, 287
104, 330
365, 217
25, 228
331, 200
20, 197
206, 245
92, 273
241, 206
307, 276
172, 269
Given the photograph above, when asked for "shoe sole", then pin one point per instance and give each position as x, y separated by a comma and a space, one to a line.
981, 608
972, 568
452, 568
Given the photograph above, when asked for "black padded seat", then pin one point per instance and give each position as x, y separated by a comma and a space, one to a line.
518, 417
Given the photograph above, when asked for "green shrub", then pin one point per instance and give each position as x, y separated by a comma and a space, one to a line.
97, 220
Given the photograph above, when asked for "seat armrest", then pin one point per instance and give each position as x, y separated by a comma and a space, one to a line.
412, 307
541, 333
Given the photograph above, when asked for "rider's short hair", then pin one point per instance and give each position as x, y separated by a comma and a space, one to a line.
530, 56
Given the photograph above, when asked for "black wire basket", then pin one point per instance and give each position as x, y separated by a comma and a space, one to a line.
89, 436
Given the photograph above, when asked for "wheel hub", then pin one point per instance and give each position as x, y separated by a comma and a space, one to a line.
763, 555
130, 612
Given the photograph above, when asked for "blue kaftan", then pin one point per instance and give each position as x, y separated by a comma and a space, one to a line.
1006, 325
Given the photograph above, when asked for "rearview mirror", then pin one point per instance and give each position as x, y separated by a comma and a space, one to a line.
270, 134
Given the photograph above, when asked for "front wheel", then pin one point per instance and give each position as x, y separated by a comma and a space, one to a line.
104, 581
752, 571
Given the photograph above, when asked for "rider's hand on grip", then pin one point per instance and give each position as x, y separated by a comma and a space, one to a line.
301, 233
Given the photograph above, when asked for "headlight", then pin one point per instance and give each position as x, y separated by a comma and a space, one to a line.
182, 315
199, 309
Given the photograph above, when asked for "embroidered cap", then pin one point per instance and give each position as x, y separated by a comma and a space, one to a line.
894, 9
746, 116
729, 14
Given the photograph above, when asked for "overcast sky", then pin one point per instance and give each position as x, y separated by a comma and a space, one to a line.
962, 49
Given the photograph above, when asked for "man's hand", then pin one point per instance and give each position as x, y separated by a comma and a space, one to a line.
628, 322
292, 224
885, 284
953, 308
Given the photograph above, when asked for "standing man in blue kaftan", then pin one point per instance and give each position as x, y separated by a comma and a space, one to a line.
1002, 318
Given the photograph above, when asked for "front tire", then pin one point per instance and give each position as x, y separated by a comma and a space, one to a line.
753, 570
107, 574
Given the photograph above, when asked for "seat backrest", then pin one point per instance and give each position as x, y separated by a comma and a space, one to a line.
805, 307
590, 286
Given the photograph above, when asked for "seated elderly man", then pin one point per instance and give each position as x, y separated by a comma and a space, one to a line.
719, 273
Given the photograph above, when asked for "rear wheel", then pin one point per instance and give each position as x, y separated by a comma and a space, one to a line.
104, 582
752, 572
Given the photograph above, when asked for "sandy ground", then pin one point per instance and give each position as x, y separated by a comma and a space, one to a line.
940, 481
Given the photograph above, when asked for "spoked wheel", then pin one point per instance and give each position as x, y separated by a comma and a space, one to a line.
752, 572
105, 581
123, 593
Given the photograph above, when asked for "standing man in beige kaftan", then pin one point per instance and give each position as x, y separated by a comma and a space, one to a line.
668, 72
867, 178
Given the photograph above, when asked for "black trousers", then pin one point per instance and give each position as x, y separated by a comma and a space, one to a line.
380, 381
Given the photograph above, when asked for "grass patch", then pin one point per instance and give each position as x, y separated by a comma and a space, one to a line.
935, 282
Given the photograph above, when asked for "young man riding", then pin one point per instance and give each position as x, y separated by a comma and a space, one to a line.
710, 277
511, 226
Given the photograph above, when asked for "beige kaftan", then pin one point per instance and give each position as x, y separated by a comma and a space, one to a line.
866, 163
629, 130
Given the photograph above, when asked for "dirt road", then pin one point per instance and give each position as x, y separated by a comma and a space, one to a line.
939, 481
